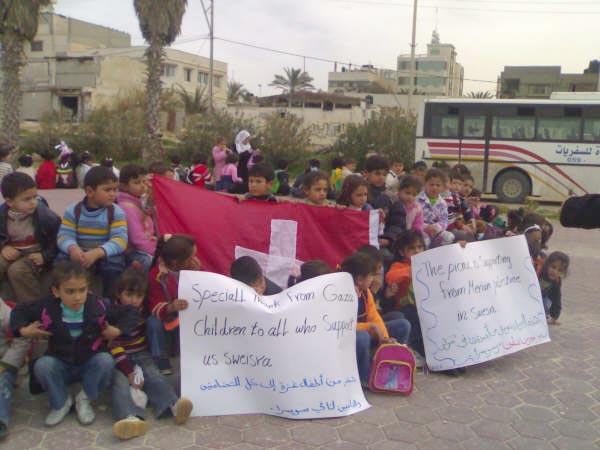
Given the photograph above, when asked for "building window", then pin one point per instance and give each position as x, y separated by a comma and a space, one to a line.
432, 66
369, 99
403, 81
538, 89
169, 70
404, 65
434, 52
591, 129
558, 129
187, 73
217, 81
37, 46
474, 126
202, 77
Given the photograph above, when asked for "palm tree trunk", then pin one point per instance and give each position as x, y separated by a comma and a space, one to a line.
154, 55
12, 62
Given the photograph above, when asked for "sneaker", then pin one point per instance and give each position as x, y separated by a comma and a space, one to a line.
56, 416
130, 427
164, 365
83, 406
181, 410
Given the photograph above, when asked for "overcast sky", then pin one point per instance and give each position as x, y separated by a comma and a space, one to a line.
487, 34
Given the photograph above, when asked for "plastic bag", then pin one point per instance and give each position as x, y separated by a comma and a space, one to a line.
138, 396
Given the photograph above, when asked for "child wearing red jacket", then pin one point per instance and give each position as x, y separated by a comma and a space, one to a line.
46, 174
173, 254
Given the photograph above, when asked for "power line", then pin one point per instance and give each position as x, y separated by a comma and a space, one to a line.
461, 8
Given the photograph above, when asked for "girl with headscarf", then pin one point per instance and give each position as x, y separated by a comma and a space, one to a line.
244, 150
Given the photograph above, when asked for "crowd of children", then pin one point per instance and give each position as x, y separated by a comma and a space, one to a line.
124, 338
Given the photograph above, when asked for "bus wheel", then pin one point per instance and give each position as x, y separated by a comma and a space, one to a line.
512, 187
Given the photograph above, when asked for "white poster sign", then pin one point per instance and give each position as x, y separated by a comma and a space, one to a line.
477, 303
291, 355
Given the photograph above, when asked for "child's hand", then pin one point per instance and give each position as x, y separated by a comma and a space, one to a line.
89, 258
462, 243
109, 333
391, 290
381, 215
132, 382
33, 331
177, 305
195, 263
36, 258
76, 254
10, 253
431, 230
389, 340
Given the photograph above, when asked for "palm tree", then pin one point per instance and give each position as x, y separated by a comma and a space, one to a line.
160, 24
193, 104
235, 92
480, 94
19, 23
295, 80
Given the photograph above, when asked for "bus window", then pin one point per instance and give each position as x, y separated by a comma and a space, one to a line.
513, 127
474, 126
444, 126
558, 128
591, 129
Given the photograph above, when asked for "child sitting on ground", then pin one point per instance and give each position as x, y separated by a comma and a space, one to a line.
46, 174
555, 268
282, 179
26, 166
12, 357
371, 330
5, 166
94, 231
86, 163
200, 173
141, 230
435, 210
132, 357
76, 324
173, 253
315, 185
408, 191
260, 182
229, 173
28, 230
376, 170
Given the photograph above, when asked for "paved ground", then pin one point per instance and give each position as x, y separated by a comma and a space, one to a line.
547, 397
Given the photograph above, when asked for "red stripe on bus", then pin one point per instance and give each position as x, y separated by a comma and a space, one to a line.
509, 148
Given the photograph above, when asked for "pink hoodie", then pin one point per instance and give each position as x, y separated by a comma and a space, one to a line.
140, 226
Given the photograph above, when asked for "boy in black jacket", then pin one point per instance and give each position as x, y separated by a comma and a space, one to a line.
76, 324
28, 230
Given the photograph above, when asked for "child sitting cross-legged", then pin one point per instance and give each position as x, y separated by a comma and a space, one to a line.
371, 330
173, 253
76, 324
28, 230
94, 231
132, 357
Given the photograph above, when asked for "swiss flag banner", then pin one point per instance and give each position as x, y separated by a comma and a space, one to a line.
277, 235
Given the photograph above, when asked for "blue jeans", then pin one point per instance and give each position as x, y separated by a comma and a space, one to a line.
398, 329
157, 337
7, 383
55, 375
108, 268
160, 393
145, 259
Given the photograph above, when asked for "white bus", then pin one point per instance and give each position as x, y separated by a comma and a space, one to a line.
516, 148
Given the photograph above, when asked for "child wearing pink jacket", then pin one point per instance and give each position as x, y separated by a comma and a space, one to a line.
141, 229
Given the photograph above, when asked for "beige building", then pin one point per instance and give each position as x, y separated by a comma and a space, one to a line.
542, 81
74, 66
326, 115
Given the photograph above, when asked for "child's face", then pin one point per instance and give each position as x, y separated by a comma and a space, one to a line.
434, 187
259, 285
473, 201
467, 188
408, 195
317, 193
24, 202
358, 198
414, 248
364, 282
136, 186
534, 242
72, 292
377, 177
419, 172
131, 298
170, 174
103, 195
351, 167
556, 270
397, 168
259, 186
456, 185
377, 279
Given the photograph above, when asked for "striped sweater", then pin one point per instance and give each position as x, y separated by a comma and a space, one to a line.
93, 230
123, 346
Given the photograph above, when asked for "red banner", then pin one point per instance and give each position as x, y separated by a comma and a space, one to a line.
277, 231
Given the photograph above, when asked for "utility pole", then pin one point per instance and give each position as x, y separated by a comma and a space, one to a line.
413, 44
210, 21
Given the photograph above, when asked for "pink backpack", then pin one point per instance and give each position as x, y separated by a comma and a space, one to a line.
392, 369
